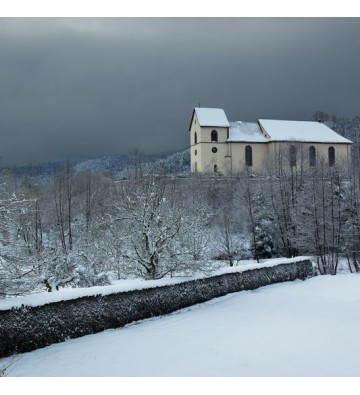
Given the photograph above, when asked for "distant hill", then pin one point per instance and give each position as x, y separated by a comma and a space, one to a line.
44, 169
175, 163
117, 165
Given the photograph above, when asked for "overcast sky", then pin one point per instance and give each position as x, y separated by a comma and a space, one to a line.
94, 87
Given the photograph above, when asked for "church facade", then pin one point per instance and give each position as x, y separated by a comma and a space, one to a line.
220, 146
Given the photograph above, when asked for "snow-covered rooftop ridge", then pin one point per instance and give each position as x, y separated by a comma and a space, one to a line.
304, 131
275, 130
212, 117
132, 285
246, 131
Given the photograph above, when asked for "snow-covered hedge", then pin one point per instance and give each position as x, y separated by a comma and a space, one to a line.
27, 328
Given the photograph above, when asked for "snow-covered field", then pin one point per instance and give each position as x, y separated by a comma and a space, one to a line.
308, 328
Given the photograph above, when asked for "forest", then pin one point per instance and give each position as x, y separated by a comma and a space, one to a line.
80, 227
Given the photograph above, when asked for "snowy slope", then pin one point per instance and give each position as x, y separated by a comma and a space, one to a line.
305, 328
174, 163
178, 162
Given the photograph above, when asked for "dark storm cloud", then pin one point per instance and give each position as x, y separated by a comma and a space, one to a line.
92, 87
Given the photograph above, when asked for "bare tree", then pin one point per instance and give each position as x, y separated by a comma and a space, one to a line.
156, 221
14, 269
227, 220
352, 217
320, 116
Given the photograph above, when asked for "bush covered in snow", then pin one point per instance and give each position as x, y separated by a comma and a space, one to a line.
27, 328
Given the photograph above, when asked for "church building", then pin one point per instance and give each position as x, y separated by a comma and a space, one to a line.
218, 145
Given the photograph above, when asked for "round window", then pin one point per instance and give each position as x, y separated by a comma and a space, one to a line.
214, 150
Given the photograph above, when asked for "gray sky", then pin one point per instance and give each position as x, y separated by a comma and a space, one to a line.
94, 87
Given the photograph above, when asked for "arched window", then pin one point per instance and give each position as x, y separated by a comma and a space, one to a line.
215, 168
248, 156
292, 155
195, 167
214, 136
331, 156
195, 138
312, 156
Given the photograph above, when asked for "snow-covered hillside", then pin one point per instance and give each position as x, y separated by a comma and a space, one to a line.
178, 162
291, 329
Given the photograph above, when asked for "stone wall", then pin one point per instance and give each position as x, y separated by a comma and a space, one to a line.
28, 328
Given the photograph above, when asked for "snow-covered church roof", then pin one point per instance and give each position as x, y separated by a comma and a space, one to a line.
211, 117
267, 130
303, 131
246, 132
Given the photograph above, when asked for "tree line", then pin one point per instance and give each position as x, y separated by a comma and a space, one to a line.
80, 228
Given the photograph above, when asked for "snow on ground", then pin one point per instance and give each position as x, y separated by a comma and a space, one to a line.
301, 328
42, 298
